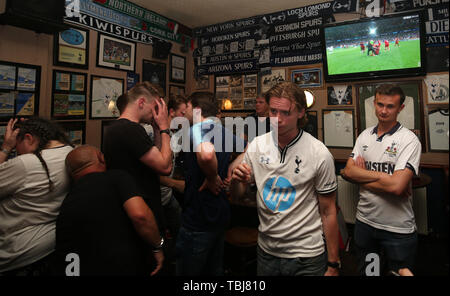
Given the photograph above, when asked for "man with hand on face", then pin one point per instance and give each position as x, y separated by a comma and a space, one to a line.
383, 162
296, 182
127, 146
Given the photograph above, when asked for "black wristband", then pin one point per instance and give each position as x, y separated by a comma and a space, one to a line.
336, 265
165, 131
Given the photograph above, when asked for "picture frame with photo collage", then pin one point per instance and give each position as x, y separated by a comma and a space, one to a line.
236, 92
19, 90
69, 95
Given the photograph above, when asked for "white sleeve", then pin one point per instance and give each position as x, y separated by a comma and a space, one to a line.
410, 156
12, 176
356, 149
325, 181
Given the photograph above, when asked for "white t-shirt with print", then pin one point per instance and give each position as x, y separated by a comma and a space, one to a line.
396, 150
288, 183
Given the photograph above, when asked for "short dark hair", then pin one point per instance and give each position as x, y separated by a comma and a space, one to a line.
144, 89
204, 100
175, 102
292, 92
391, 90
122, 102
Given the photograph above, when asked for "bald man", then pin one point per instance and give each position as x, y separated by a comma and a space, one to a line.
104, 221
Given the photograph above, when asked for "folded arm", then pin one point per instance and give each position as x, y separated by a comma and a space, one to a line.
396, 184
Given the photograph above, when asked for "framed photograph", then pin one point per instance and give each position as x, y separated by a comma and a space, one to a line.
339, 95
177, 68
338, 128
155, 73
437, 89
115, 53
269, 80
104, 94
19, 90
202, 82
307, 77
75, 131
26, 79
71, 48
311, 125
68, 95
132, 79
175, 90
410, 117
438, 133
7, 76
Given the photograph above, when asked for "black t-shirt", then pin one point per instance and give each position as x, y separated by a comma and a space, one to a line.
93, 224
124, 142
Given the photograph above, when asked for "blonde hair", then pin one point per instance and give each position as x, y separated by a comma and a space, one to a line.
292, 92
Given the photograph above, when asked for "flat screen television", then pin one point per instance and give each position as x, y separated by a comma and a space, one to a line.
383, 47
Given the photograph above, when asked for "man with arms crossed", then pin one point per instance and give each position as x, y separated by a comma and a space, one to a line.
383, 162
295, 177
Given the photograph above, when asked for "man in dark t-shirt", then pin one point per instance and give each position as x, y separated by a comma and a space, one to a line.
104, 221
127, 146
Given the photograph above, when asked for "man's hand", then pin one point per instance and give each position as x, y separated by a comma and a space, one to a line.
360, 162
242, 173
10, 138
215, 185
160, 114
159, 258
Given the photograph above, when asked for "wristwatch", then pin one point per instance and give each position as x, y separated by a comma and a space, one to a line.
4, 150
160, 246
165, 131
336, 265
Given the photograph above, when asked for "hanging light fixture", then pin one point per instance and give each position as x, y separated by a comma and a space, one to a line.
310, 99
227, 104
111, 105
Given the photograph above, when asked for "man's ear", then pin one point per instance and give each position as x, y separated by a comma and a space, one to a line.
30, 140
101, 157
401, 108
141, 102
302, 113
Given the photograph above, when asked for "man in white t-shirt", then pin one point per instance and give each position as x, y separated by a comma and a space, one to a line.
296, 181
383, 162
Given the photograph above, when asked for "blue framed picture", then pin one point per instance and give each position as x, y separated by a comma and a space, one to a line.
311, 77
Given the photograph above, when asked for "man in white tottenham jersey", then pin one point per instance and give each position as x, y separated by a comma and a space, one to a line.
383, 162
296, 182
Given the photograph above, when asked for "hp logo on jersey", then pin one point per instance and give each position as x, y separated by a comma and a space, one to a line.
278, 194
